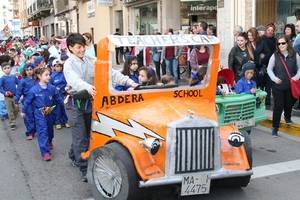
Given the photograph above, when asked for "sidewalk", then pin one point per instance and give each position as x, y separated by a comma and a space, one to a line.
293, 130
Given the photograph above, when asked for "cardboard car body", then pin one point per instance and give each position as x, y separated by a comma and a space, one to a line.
183, 119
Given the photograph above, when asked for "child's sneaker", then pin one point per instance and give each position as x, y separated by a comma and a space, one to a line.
47, 157
67, 125
29, 137
58, 126
12, 127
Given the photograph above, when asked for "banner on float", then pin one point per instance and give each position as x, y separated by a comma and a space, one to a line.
163, 40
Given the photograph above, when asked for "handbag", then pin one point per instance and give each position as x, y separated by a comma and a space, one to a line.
295, 85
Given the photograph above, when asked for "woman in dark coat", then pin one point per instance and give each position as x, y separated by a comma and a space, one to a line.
281, 88
239, 55
261, 52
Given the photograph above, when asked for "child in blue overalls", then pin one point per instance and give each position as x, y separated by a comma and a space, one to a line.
44, 98
59, 81
8, 86
23, 88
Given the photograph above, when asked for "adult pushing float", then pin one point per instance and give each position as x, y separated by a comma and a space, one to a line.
167, 135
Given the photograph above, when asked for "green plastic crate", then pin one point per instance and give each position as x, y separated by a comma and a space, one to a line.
244, 110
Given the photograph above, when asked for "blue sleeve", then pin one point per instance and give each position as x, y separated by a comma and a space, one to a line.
19, 91
64, 85
254, 84
1, 86
28, 100
58, 98
17, 81
239, 88
51, 80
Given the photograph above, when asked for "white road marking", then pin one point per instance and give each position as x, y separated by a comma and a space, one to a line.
275, 169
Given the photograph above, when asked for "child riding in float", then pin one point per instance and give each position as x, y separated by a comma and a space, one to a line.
246, 85
26, 83
59, 81
147, 76
130, 70
44, 97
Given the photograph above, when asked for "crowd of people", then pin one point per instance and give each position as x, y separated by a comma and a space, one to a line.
38, 80
255, 60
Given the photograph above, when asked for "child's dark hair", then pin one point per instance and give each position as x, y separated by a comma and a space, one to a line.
166, 79
5, 64
151, 75
27, 65
127, 64
75, 38
40, 71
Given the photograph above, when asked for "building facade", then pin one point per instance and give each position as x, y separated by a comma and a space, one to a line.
48, 17
151, 16
9, 18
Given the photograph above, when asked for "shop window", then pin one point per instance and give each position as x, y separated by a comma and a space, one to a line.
146, 19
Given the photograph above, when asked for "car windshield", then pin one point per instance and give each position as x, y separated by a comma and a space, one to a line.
156, 67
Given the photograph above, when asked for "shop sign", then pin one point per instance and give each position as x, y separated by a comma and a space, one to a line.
163, 40
202, 6
105, 2
90, 8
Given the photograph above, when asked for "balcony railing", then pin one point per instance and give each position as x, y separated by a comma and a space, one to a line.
39, 9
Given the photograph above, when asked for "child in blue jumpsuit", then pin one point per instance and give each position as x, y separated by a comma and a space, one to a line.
23, 88
8, 86
59, 81
44, 98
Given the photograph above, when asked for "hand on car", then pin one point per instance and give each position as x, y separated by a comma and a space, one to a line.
253, 90
93, 91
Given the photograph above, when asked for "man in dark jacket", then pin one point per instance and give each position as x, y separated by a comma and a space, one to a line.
270, 43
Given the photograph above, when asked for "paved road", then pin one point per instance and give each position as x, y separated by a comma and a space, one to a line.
25, 177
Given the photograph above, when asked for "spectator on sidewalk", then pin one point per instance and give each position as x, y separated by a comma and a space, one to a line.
290, 32
117, 49
296, 46
283, 100
236, 32
90, 46
79, 74
202, 28
270, 42
260, 51
170, 56
239, 55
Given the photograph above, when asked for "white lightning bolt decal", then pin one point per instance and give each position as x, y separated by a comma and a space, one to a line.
107, 126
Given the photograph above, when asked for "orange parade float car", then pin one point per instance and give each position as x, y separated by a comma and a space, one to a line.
161, 135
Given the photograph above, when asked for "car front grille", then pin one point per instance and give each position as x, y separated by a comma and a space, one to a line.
194, 149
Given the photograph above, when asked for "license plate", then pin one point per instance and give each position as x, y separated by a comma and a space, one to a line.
195, 184
245, 123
